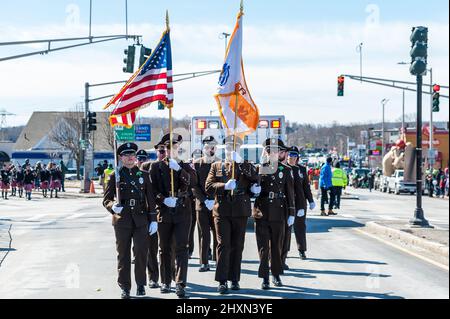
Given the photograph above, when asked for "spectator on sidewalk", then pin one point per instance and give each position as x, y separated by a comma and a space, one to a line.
371, 180
107, 174
99, 170
326, 185
64, 170
339, 181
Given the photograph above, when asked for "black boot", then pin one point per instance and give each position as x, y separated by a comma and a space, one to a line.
235, 285
180, 292
125, 294
140, 291
223, 288
277, 281
265, 284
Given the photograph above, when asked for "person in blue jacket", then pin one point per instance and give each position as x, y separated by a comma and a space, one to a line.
326, 185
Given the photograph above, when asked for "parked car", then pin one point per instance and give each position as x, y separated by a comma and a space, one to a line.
397, 185
71, 174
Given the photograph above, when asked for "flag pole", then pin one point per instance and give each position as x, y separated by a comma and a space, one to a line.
116, 168
236, 106
172, 184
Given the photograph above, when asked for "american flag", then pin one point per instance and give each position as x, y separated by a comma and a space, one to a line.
152, 83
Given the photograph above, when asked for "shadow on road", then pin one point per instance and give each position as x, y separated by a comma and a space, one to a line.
325, 224
291, 292
347, 261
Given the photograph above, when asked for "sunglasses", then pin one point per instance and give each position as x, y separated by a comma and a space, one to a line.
161, 151
291, 154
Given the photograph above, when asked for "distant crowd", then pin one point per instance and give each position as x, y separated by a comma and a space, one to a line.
20, 180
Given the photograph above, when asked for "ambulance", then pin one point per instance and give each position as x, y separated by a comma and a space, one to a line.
270, 126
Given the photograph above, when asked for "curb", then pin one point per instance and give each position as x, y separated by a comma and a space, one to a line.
440, 249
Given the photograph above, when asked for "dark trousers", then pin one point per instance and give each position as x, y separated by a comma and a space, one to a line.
152, 258
124, 238
192, 228
205, 224
324, 198
230, 232
269, 239
336, 193
173, 240
300, 232
286, 244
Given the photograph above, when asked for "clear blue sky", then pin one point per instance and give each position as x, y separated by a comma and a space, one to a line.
26, 12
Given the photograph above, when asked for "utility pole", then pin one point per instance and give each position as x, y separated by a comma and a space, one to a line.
359, 49
383, 102
85, 183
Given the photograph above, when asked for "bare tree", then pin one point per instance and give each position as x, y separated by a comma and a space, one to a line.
108, 133
67, 134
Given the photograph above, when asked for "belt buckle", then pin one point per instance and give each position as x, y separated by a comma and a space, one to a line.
132, 202
271, 195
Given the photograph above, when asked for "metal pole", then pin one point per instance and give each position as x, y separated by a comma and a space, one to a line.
419, 218
382, 132
126, 17
430, 147
90, 19
403, 112
85, 139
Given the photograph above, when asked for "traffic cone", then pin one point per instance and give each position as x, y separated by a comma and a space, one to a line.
92, 188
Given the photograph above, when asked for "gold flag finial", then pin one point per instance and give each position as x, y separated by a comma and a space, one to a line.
167, 20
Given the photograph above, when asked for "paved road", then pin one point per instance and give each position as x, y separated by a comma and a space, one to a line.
64, 248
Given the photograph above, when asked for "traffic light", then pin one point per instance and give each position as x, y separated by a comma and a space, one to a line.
91, 121
419, 55
341, 80
145, 53
129, 60
436, 89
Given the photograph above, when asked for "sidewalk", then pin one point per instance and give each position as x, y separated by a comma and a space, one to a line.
72, 190
429, 243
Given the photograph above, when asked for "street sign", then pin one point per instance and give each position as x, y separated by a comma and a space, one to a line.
351, 144
124, 134
143, 133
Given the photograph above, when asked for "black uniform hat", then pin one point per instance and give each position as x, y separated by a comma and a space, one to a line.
230, 139
127, 148
176, 139
275, 142
142, 155
294, 149
209, 140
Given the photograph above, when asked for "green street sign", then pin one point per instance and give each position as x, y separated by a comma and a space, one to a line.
124, 134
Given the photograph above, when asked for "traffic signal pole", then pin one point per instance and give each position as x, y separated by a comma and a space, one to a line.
85, 183
419, 218
430, 147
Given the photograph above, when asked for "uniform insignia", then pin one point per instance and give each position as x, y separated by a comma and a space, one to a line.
300, 174
128, 145
141, 180
280, 175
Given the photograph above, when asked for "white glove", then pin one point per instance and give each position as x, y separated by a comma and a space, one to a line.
209, 204
312, 205
170, 202
174, 165
230, 185
153, 228
256, 189
290, 221
301, 213
236, 157
117, 209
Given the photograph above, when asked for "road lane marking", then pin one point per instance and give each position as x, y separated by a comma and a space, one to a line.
435, 263
388, 217
74, 216
348, 216
35, 217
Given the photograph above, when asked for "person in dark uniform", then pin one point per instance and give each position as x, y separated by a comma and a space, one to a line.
55, 179
274, 209
303, 196
19, 177
5, 175
28, 181
231, 210
133, 218
44, 175
205, 203
174, 213
152, 257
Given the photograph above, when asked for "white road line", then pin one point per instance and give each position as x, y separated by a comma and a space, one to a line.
348, 216
385, 217
74, 216
36, 217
